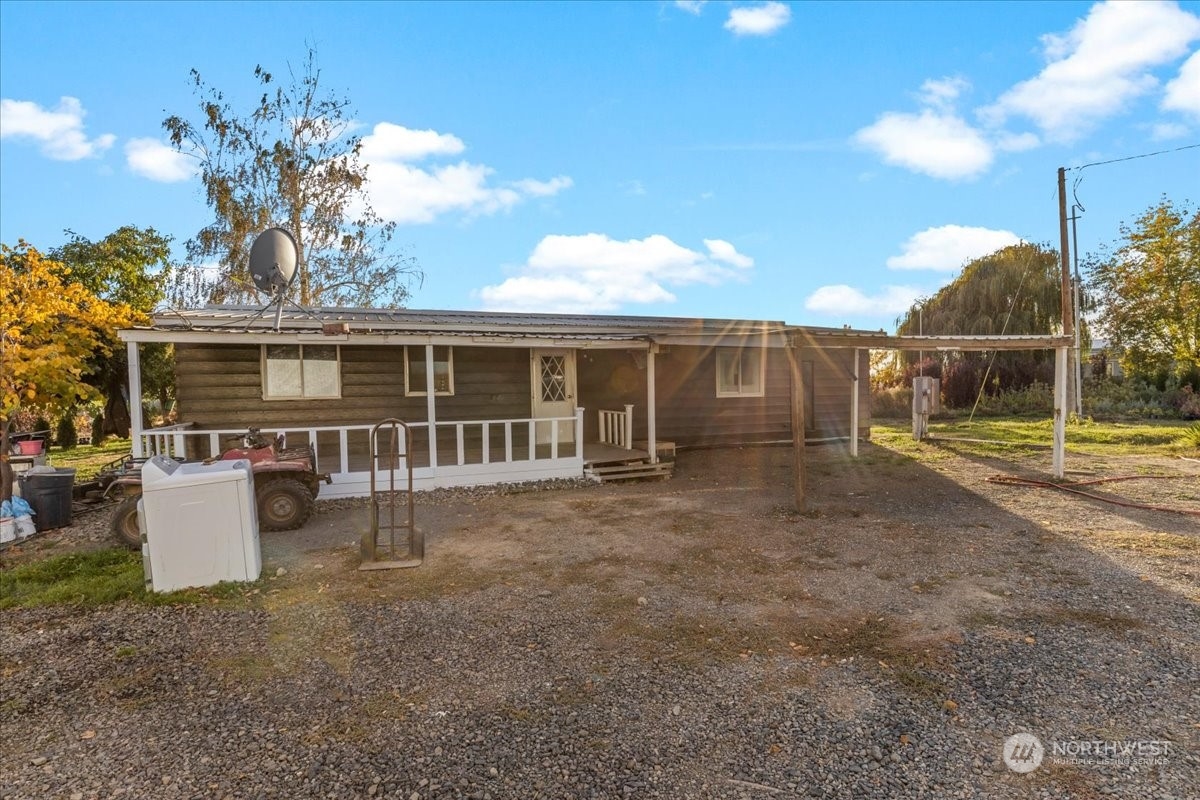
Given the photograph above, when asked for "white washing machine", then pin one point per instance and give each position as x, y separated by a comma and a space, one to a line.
199, 523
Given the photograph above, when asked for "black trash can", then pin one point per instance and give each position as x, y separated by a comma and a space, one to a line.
49, 493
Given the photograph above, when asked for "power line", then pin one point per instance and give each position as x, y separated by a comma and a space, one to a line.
1132, 158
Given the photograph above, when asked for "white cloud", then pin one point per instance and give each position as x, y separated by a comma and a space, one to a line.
535, 188
58, 131
152, 159
409, 194
842, 300
760, 20
389, 142
942, 92
1183, 92
948, 247
1162, 131
1098, 67
592, 272
721, 250
691, 6
634, 187
934, 142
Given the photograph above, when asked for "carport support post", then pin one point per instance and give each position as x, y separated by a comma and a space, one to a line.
797, 426
854, 408
1060, 410
136, 423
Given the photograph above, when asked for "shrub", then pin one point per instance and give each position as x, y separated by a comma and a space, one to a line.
1191, 436
67, 436
98, 429
960, 384
40, 423
893, 403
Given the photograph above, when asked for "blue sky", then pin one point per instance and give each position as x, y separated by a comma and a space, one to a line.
816, 163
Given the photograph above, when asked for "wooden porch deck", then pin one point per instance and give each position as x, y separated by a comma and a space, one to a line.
598, 454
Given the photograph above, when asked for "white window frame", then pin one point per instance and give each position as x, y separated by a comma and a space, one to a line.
303, 395
742, 389
420, 391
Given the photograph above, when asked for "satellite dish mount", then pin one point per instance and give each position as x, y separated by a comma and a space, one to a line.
274, 258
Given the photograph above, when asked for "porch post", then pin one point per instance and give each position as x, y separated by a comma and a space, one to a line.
1060, 410
854, 408
136, 423
651, 432
431, 408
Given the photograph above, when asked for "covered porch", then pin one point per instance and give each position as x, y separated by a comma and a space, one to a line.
553, 439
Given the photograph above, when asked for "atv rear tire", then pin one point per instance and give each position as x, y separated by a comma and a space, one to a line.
283, 504
124, 523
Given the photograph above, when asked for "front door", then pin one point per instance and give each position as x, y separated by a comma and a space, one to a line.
553, 381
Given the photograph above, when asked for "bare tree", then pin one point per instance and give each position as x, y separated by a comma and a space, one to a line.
290, 161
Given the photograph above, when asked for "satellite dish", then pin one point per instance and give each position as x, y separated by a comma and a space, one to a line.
273, 259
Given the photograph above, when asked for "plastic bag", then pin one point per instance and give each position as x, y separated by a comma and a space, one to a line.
17, 507
25, 527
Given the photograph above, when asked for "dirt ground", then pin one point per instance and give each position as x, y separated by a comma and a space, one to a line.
932, 541
901, 555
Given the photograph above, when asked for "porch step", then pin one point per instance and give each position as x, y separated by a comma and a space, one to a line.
629, 471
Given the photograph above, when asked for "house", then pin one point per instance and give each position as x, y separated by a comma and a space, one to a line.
492, 397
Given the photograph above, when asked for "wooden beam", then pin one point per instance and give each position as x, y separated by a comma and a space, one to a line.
883, 341
797, 427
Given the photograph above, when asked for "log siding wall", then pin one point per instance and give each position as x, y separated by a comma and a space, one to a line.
220, 386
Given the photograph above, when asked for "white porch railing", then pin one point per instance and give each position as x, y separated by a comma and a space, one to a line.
616, 427
483, 452
167, 440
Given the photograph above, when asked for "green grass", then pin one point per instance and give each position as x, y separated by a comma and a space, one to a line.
94, 579
1159, 437
88, 459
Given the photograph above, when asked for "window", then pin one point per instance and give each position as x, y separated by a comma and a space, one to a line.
295, 371
739, 373
415, 374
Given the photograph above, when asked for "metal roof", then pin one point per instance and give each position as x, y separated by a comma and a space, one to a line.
368, 320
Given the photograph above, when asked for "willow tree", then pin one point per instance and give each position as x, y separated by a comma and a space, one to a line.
1148, 290
1015, 290
289, 160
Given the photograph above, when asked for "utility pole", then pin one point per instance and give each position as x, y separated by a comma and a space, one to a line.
1068, 313
1077, 375
1062, 354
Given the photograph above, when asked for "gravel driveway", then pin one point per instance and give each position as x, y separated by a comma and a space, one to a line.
693, 638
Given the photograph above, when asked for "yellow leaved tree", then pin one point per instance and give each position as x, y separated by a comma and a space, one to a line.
50, 329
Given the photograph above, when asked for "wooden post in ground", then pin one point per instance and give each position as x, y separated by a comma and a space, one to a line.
1060, 411
854, 408
797, 426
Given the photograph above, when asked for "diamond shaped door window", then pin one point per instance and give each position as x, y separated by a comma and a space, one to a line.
554, 379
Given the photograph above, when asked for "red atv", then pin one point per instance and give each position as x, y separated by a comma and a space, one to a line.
285, 485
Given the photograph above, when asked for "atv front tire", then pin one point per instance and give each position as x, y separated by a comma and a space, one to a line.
124, 523
283, 504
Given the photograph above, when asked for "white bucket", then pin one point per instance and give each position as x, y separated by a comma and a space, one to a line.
8, 529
